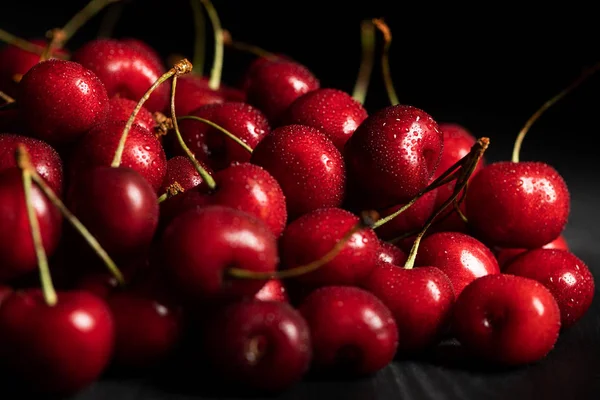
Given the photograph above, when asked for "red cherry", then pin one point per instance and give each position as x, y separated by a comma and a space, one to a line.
125, 70
274, 85
273, 290
120, 109
391, 254
261, 344
564, 274
332, 111
59, 101
211, 146
506, 256
59, 349
462, 257
394, 153
144, 47
193, 92
256, 65
44, 158
313, 235
410, 220
420, 300
200, 245
178, 204
180, 170
16, 245
351, 330
307, 165
506, 319
143, 152
519, 205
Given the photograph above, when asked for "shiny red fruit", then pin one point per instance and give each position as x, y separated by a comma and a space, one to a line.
505, 256
121, 108
273, 290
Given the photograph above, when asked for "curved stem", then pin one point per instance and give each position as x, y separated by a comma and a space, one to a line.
20, 43
519, 141
367, 38
247, 47
83, 16
385, 60
163, 197
217, 68
109, 21
6, 98
173, 190
200, 37
220, 129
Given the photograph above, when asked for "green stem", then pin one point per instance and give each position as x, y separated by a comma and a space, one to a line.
217, 68
163, 197
385, 60
367, 37
20, 43
200, 38
220, 129
82, 17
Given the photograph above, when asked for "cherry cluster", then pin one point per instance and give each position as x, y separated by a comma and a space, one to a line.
270, 228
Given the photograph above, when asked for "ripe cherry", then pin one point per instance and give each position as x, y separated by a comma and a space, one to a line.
506, 256
410, 220
182, 172
120, 109
391, 254
193, 92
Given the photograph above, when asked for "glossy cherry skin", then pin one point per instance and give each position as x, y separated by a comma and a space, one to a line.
200, 245
391, 254
420, 300
566, 276
125, 70
394, 153
143, 46
256, 65
307, 165
273, 86
212, 146
273, 290
311, 236
332, 111
59, 349
182, 172
178, 204
121, 108
263, 345
506, 319
44, 158
520, 205
193, 92
351, 330
143, 152
506, 256
413, 218
16, 244
59, 101
462, 257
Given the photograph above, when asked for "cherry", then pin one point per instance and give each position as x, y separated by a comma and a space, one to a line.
172, 206
518, 205
307, 165
272, 290
200, 245
420, 300
391, 254
351, 330
410, 220
45, 159
332, 111
462, 257
506, 319
55, 349
182, 173
506, 256
66, 99
143, 46
273, 86
193, 92
125, 70
16, 244
264, 345
143, 152
120, 109
564, 274
257, 64
394, 153
211, 146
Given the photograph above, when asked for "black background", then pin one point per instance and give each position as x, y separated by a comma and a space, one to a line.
488, 66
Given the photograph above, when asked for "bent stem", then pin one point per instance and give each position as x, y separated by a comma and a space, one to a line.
83, 16
217, 68
20, 43
519, 141
220, 129
385, 60
6, 98
247, 47
367, 220
367, 39
200, 39
173, 190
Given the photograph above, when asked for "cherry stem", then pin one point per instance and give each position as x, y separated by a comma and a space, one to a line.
220, 129
45, 276
385, 60
20, 43
163, 197
582, 78
109, 21
367, 218
200, 39
82, 17
173, 190
206, 177
247, 47
6, 98
217, 68
469, 163
180, 68
367, 38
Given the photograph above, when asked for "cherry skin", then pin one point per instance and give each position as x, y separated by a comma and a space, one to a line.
352, 331
200, 245
59, 349
273, 86
332, 111
263, 345
178, 204
506, 319
256, 65
394, 153
125, 70
4, 292
518, 205
16, 244
44, 158
506, 256
143, 152
144, 47
391, 254
193, 92
311, 236
59, 101
214, 148
462, 257
420, 300
182, 172
272, 290
410, 220
566, 276
120, 109
307, 165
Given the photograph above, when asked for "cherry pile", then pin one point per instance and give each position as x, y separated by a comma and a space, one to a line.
277, 223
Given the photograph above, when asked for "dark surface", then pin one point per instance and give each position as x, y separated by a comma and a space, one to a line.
489, 76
